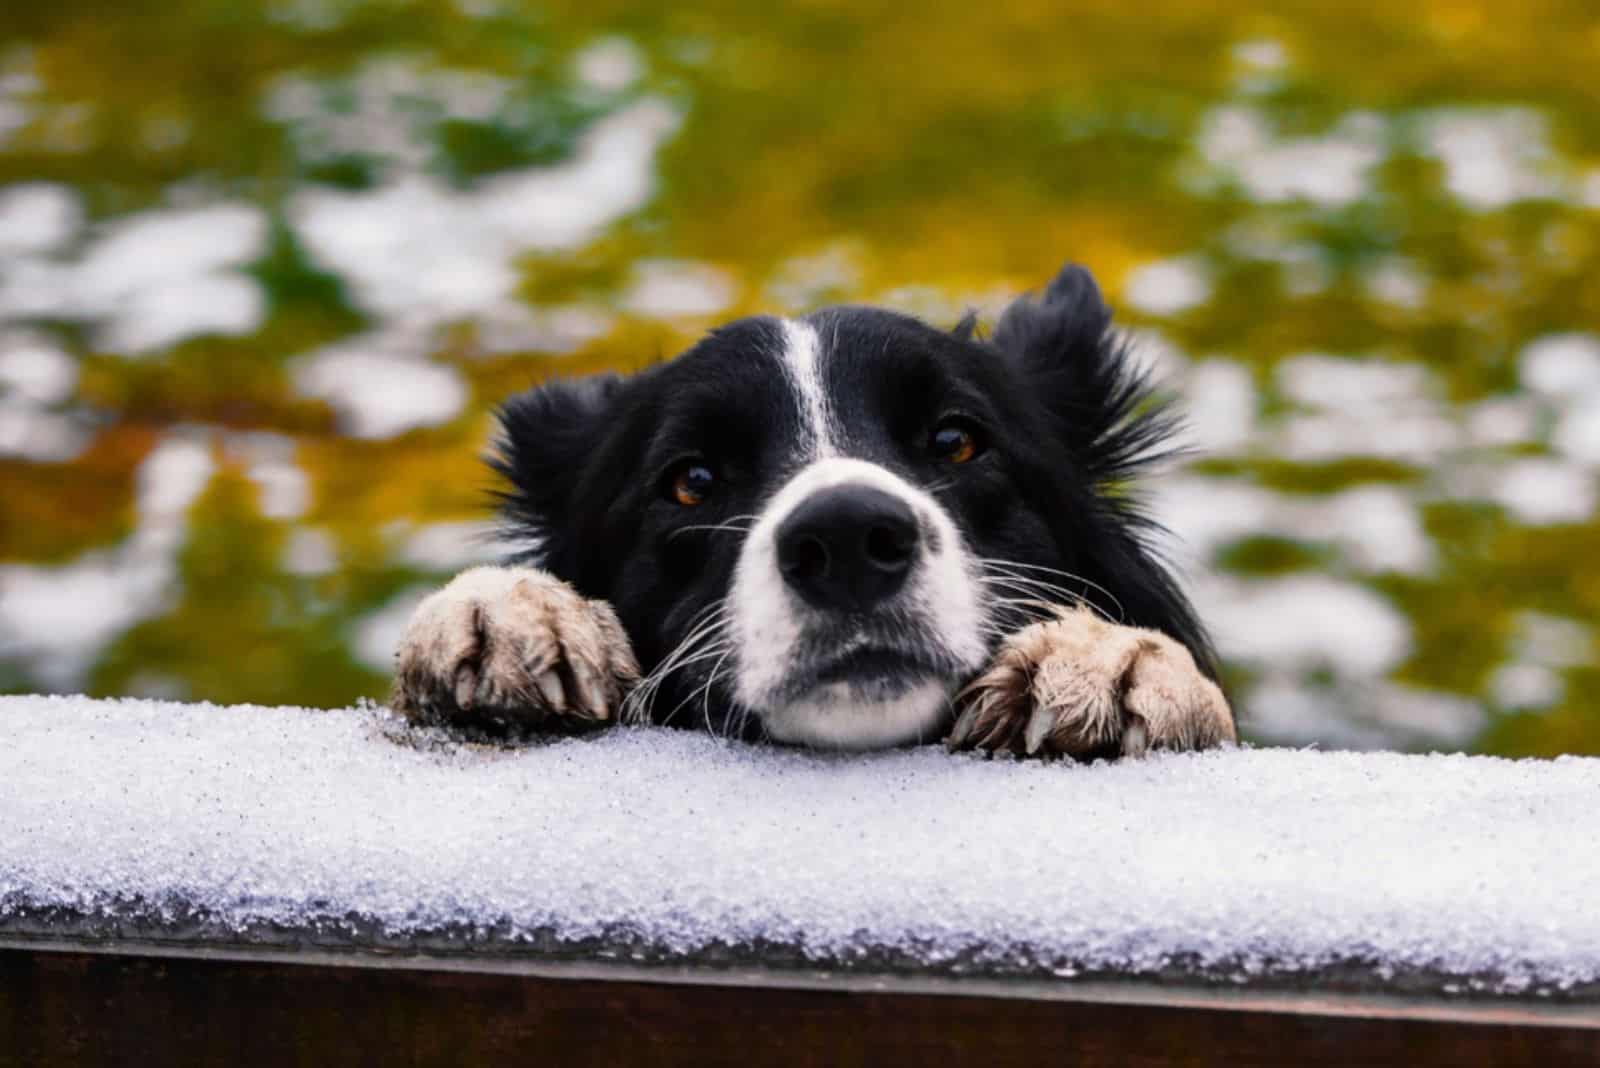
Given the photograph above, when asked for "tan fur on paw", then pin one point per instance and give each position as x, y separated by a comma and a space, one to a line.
1079, 686
512, 647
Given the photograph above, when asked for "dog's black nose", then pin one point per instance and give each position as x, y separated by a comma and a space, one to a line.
847, 548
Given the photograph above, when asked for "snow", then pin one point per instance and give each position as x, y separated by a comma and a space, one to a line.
1238, 144
1375, 527
59, 618
377, 635
1168, 287
1525, 686
417, 250
37, 217
664, 289
1492, 157
310, 551
35, 370
382, 384
1577, 434
43, 437
1559, 365
1219, 406
148, 280
609, 65
1370, 715
1306, 621
332, 826
1398, 281
1539, 491
284, 490
452, 546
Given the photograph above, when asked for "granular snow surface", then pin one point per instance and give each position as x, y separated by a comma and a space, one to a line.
257, 823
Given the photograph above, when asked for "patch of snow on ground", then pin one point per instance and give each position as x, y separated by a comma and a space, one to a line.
1307, 622
452, 547
37, 218
1561, 365
386, 111
1398, 281
1373, 714
1543, 647
378, 635
677, 843
34, 370
1168, 287
1499, 422
310, 551
284, 490
1525, 686
1375, 528
609, 65
1237, 142
1540, 491
1362, 408
151, 280
18, 79
381, 384
830, 275
40, 436
664, 289
1219, 406
418, 252
1577, 435
1492, 158
57, 619
35, 377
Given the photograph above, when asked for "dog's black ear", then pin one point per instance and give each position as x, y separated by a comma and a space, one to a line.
1101, 403
550, 437
1100, 399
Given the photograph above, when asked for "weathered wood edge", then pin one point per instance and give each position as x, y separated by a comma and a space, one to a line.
123, 1002
1463, 1009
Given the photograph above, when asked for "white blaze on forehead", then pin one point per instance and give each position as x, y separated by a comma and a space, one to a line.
802, 364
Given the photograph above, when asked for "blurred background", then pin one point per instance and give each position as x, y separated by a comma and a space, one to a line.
265, 268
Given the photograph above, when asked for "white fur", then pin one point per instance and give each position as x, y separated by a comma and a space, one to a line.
802, 362
768, 620
832, 719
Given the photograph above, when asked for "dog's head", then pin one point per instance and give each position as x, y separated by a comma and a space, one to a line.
819, 528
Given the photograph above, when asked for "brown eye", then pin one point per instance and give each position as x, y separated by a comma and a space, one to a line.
953, 443
691, 485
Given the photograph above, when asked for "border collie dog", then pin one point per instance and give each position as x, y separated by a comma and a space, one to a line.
847, 531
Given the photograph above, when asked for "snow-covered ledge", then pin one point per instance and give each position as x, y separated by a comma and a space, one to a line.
338, 829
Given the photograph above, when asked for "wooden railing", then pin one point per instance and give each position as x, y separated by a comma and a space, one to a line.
120, 1003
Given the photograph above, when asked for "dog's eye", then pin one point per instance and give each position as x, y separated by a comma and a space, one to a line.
690, 483
954, 442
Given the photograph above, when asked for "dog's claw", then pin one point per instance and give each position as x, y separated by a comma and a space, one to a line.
549, 684
963, 728
466, 685
1040, 723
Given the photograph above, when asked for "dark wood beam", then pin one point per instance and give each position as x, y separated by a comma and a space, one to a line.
129, 1003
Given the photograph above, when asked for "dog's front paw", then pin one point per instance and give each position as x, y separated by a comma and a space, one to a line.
512, 648
1079, 686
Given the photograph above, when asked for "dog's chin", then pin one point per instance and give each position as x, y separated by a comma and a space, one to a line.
873, 710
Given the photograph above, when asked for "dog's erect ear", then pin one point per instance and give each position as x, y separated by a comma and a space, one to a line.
548, 438
1100, 398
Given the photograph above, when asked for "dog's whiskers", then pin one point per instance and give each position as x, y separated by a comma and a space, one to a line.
707, 637
1007, 569
730, 525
